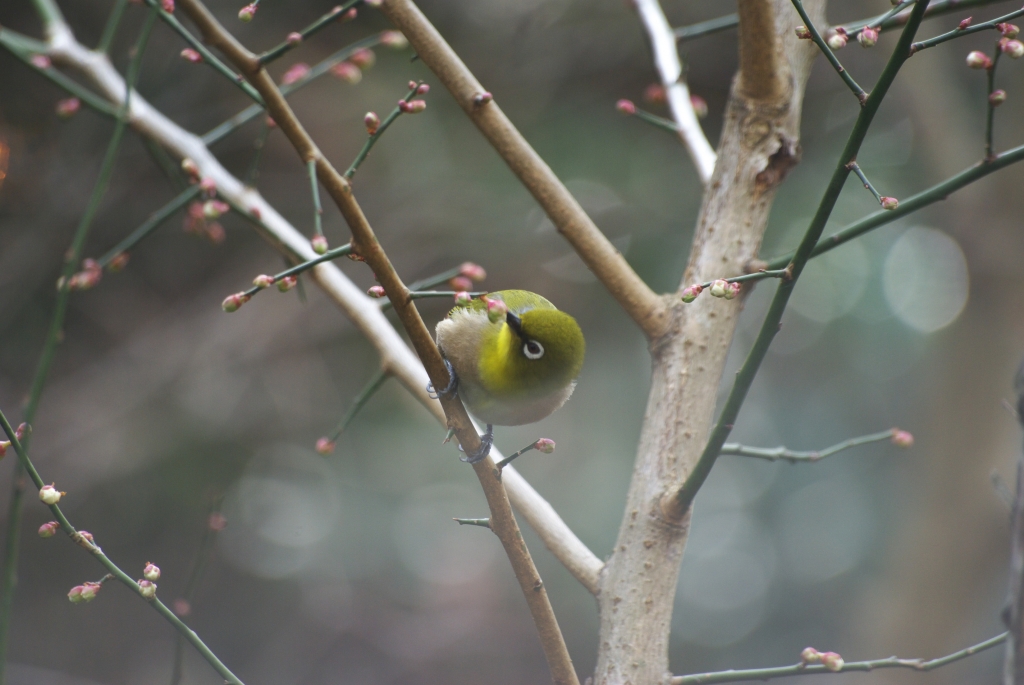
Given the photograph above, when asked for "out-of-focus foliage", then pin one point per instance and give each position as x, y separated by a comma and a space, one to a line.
349, 568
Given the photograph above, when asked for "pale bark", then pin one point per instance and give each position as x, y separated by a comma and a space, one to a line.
759, 143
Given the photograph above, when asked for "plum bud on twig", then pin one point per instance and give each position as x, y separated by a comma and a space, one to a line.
347, 72
319, 244
287, 283
40, 61
376, 291
217, 522
655, 94
977, 59
263, 281
1012, 48
190, 55
832, 661
625, 106
395, 40
472, 271
889, 203
1008, 30
802, 32
691, 292
84, 538
363, 58
372, 122
247, 13
867, 37
167, 6
190, 168
462, 298
68, 107
837, 41
481, 99
964, 24
118, 262
296, 72
810, 655
460, 283
700, 106
412, 106
214, 209
324, 446
293, 38
49, 529
544, 445
151, 571
50, 495
4, 444
84, 593
496, 309
147, 589
902, 438
208, 187
719, 288
232, 303
997, 97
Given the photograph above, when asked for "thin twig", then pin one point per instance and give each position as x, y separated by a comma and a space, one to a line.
335, 14
375, 136
328, 256
670, 69
777, 453
991, 114
149, 225
645, 307
110, 30
318, 209
829, 55
676, 504
705, 28
358, 403
958, 32
819, 669
855, 168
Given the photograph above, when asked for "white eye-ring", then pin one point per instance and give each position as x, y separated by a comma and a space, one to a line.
533, 350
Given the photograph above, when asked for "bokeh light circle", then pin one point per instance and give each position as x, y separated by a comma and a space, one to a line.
925, 279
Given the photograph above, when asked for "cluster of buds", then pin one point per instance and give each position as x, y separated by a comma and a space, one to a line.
469, 273
85, 279
889, 203
1011, 47
319, 244
395, 40
84, 593
902, 438
724, 289
976, 59
496, 309
232, 303
829, 660
68, 108
197, 220
48, 530
190, 55
324, 446
412, 106
50, 495
248, 12
837, 38
867, 37
295, 73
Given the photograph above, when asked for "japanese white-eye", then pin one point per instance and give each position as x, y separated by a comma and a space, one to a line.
514, 368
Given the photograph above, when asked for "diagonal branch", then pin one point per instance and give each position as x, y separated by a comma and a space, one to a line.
365, 244
645, 307
670, 69
364, 313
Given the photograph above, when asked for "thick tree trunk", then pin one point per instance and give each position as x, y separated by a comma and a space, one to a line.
759, 144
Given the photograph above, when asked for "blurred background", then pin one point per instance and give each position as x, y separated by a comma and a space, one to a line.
161, 409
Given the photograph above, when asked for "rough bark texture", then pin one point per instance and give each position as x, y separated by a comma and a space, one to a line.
759, 143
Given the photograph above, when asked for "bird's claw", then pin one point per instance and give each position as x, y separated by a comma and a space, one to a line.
486, 441
450, 390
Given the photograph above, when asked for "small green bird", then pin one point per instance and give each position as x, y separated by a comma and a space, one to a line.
512, 357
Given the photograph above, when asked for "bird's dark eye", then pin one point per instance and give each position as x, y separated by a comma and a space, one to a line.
533, 349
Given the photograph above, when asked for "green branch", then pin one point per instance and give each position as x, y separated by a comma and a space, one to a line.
375, 136
110, 30
149, 225
827, 51
332, 16
958, 32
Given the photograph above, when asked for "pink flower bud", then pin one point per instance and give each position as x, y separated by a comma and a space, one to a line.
545, 445
319, 244
296, 72
423, 89
1013, 48
364, 58
472, 271
324, 446
48, 530
232, 303
151, 571
837, 41
118, 263
700, 106
832, 661
376, 291
215, 233
691, 292
733, 290
247, 13
214, 209
626, 106
1008, 30
413, 106
287, 283
293, 38
372, 122
347, 72
217, 522
68, 108
978, 60
810, 656
84, 539
889, 203
481, 99
803, 33
181, 607
167, 6
147, 589
255, 212
40, 62
4, 444
190, 168
719, 288
867, 37
89, 591
21, 430
270, 122
496, 309
997, 97
462, 298
395, 40
964, 23
350, 15
460, 283
50, 495
263, 281
655, 94
190, 55
902, 438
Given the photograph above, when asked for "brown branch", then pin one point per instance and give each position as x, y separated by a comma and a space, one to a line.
1013, 666
365, 244
762, 74
640, 302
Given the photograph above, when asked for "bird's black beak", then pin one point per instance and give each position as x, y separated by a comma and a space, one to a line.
515, 323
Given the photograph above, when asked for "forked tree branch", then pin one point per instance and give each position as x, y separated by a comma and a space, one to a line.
645, 307
365, 313
365, 244
670, 69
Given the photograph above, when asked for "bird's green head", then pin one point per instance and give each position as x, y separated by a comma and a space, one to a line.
537, 350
